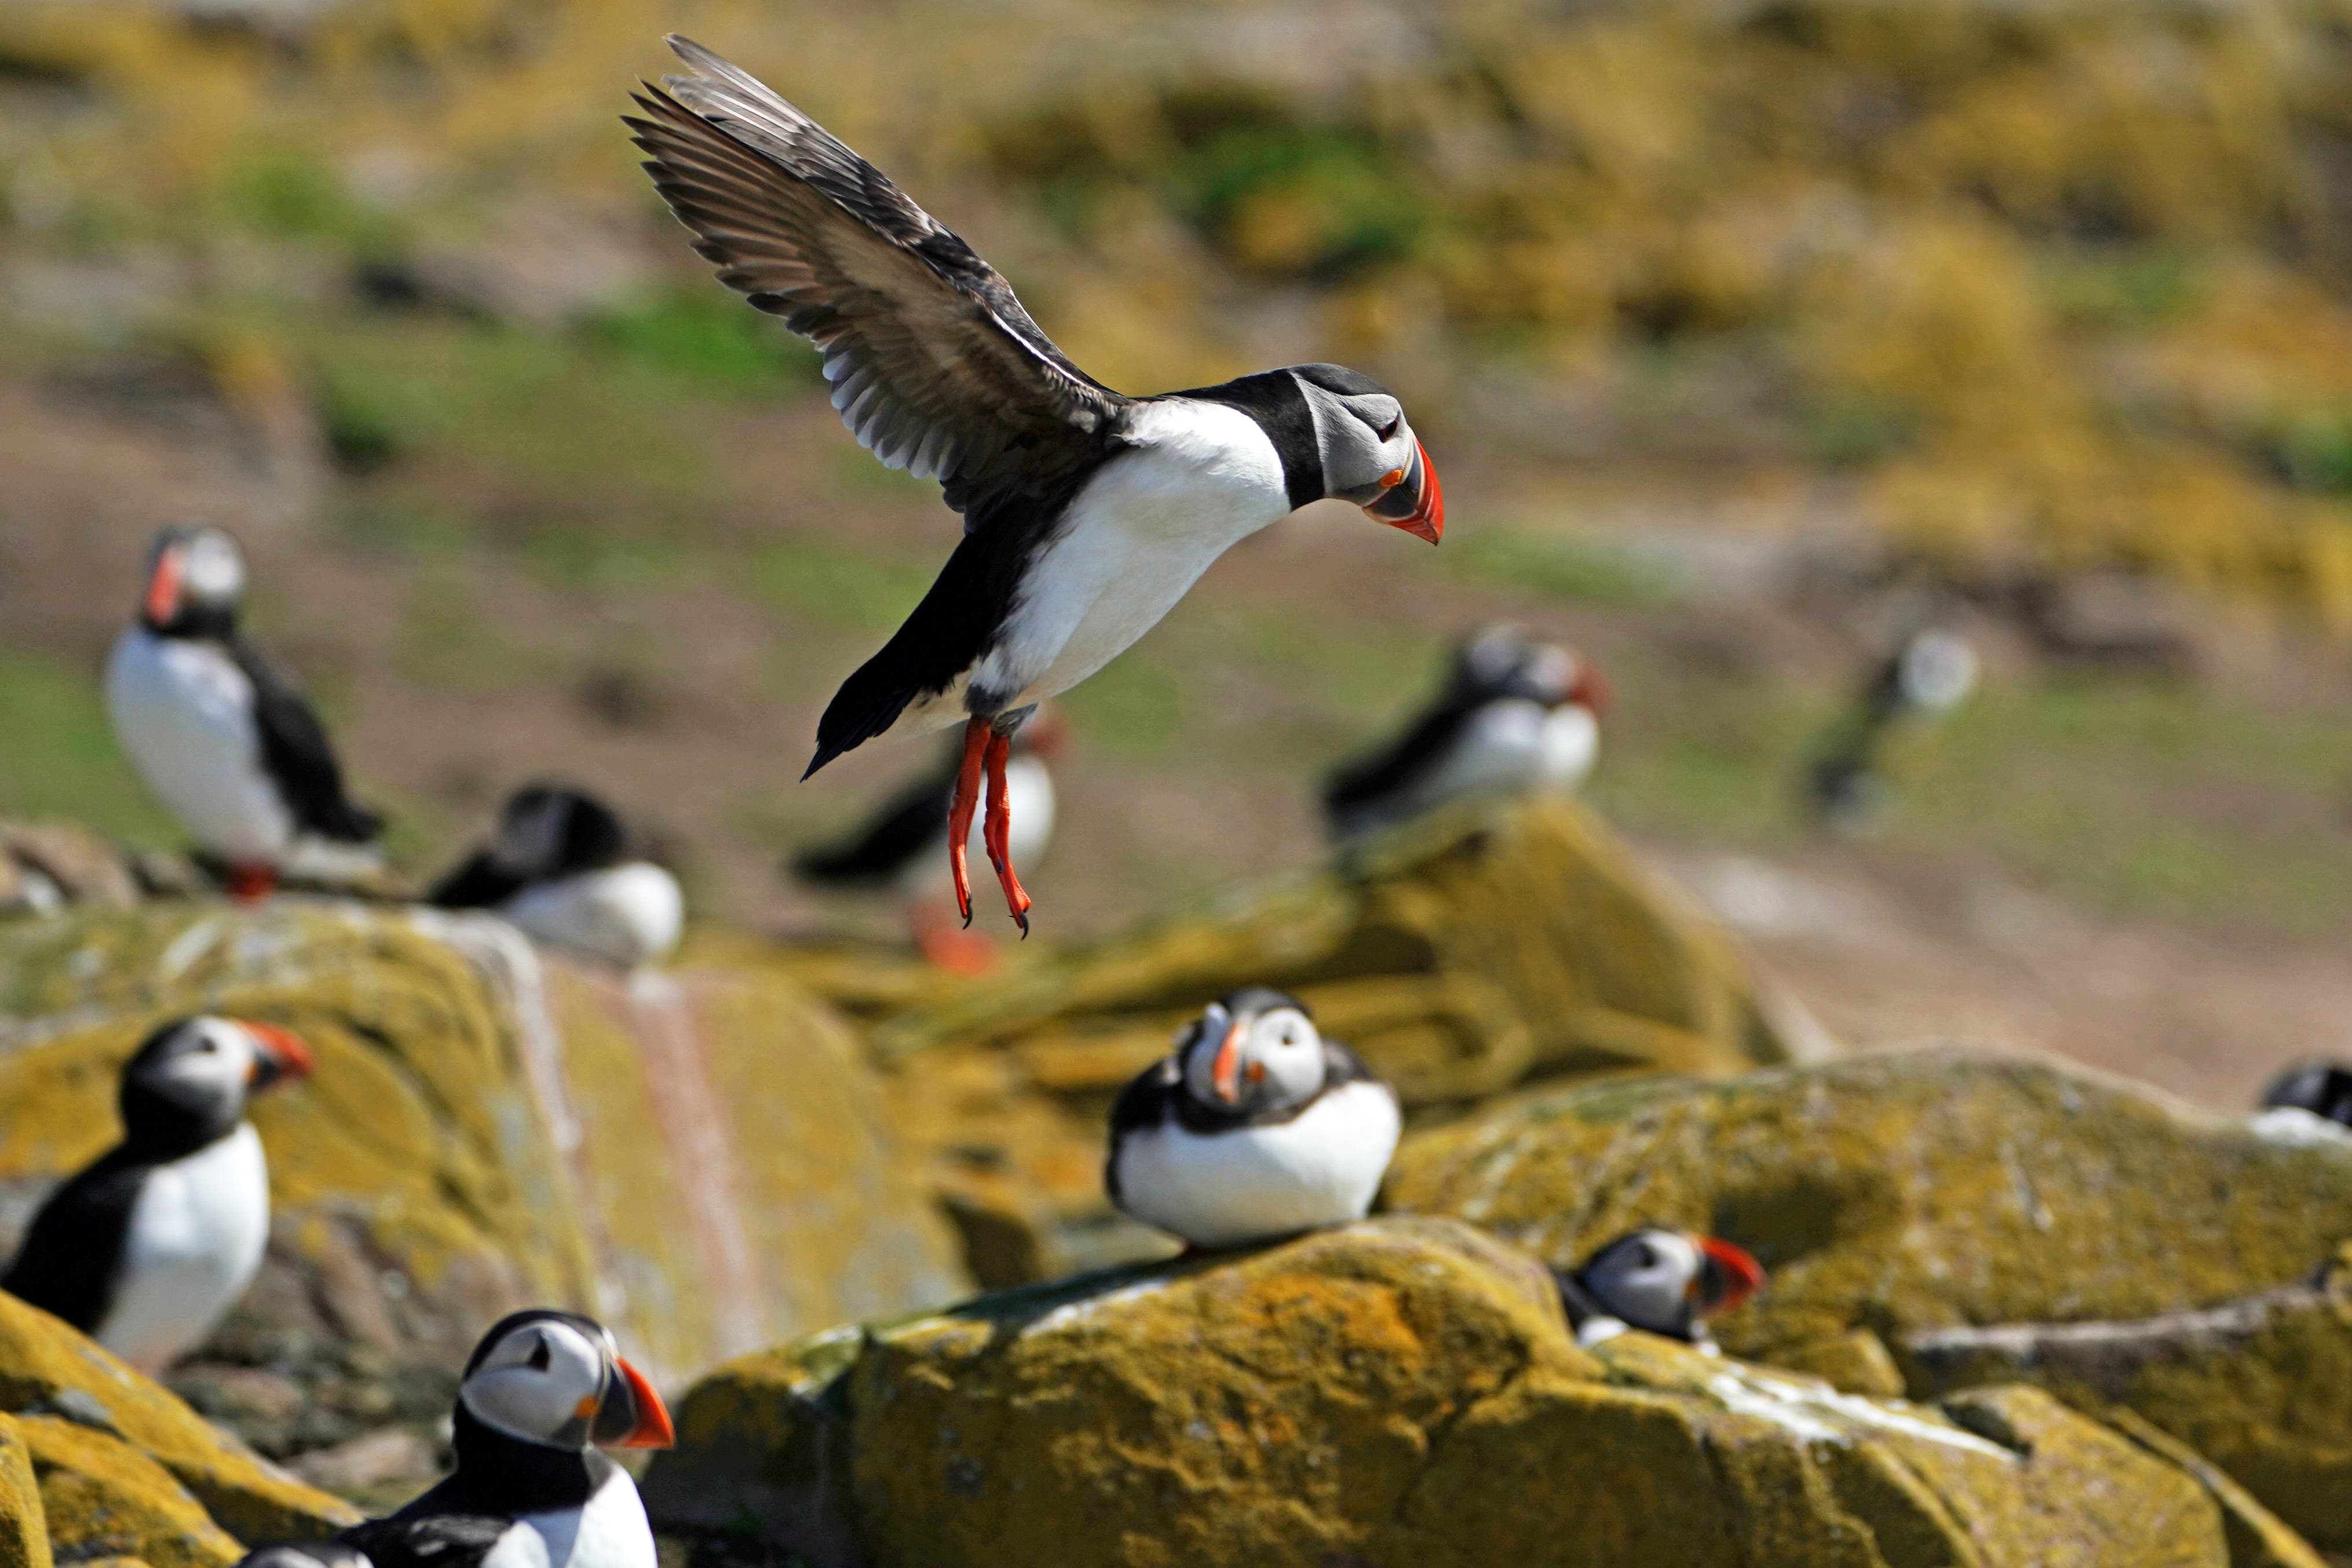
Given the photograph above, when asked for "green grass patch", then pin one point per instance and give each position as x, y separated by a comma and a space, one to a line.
837, 585
1563, 564
712, 338
1133, 706
60, 759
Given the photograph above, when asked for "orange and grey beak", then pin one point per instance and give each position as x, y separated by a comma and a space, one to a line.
283, 1055
1225, 1068
162, 602
1727, 1275
631, 1414
1411, 500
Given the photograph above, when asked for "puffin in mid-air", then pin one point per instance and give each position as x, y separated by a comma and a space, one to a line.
221, 735
542, 1392
563, 869
1257, 1127
1927, 675
897, 848
1086, 513
1517, 717
145, 1249
1661, 1281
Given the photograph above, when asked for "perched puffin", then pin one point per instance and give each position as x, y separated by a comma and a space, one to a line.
1927, 676
1516, 716
305, 1554
2322, 1088
221, 735
147, 1248
541, 1393
1661, 1281
1086, 513
561, 867
897, 848
1257, 1127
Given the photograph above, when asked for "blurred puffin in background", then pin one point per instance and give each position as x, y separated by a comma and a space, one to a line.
1517, 717
2322, 1088
1660, 1281
1256, 1127
1929, 673
897, 849
543, 1391
150, 1245
221, 736
1086, 514
563, 869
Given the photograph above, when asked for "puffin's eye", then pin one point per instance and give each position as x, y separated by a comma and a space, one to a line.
1388, 430
540, 1355
207, 1044
1647, 1256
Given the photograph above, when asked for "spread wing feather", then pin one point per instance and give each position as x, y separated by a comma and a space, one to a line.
935, 366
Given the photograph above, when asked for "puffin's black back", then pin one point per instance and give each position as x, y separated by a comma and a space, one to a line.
592, 839
906, 826
1385, 770
2322, 1088
499, 1479
296, 757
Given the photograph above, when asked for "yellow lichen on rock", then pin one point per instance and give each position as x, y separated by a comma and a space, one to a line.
24, 1528
102, 1497
1399, 1391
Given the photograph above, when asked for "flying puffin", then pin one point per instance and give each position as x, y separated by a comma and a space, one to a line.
897, 848
2322, 1088
561, 867
1516, 716
221, 735
1661, 1281
1928, 675
1086, 513
542, 1392
144, 1249
1257, 1127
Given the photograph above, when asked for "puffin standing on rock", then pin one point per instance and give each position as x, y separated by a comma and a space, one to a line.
561, 867
1087, 513
1517, 717
149, 1245
1257, 1127
897, 848
221, 735
542, 1392
1660, 1281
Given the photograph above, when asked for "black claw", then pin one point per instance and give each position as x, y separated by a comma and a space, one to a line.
1022, 921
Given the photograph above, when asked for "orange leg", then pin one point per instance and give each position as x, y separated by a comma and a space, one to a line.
997, 832
959, 811
947, 946
252, 883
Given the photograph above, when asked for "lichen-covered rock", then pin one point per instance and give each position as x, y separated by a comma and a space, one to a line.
102, 1498
1932, 1198
1399, 1391
76, 1405
24, 1530
1460, 958
699, 1157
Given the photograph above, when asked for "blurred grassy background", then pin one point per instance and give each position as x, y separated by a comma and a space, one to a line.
1736, 327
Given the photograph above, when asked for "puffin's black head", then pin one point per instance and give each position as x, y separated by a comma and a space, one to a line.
1502, 661
548, 830
557, 1379
195, 583
188, 1082
1369, 456
1666, 1280
2322, 1088
1256, 1050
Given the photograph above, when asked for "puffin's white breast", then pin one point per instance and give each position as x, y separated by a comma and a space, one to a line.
1571, 744
627, 915
1221, 1190
184, 712
196, 1236
609, 1531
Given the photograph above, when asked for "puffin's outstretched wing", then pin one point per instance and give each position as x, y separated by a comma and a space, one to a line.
296, 756
935, 366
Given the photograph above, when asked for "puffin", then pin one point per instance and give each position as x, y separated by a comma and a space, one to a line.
147, 1248
897, 848
2322, 1088
1256, 1127
1516, 716
563, 869
1658, 1281
1930, 673
221, 735
1086, 513
542, 1392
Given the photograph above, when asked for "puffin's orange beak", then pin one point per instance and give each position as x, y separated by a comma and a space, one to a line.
283, 1055
1737, 1276
162, 599
651, 1428
1224, 1069
1590, 690
1412, 499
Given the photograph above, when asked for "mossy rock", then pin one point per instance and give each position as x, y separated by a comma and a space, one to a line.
1930, 1199
1462, 956
1399, 1391
698, 1157
24, 1528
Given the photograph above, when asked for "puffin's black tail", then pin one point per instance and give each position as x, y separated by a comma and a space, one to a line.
943, 638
